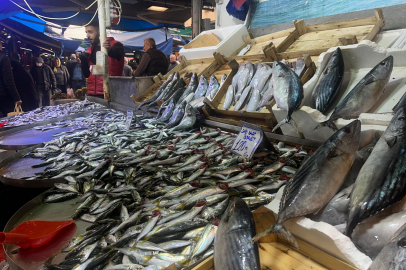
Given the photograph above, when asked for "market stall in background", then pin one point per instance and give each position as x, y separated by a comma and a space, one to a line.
267, 146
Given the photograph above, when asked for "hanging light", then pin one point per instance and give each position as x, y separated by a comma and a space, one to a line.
156, 8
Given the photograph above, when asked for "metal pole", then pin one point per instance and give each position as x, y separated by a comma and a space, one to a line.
103, 36
197, 6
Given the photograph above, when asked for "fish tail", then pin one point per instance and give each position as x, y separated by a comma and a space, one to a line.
278, 229
281, 123
327, 123
351, 223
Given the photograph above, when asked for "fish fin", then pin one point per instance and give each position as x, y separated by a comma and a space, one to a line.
327, 123
278, 229
335, 153
353, 220
391, 141
370, 80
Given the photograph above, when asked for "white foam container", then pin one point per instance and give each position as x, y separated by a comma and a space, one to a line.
391, 39
230, 40
323, 236
359, 59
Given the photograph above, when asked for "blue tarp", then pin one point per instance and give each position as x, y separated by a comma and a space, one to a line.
8, 9
84, 18
30, 21
134, 41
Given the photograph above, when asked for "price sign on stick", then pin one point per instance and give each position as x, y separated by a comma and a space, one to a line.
129, 119
248, 140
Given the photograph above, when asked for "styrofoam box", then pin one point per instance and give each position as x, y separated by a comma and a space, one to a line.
391, 39
230, 40
358, 61
323, 236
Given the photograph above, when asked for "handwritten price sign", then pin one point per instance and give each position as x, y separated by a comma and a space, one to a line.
248, 140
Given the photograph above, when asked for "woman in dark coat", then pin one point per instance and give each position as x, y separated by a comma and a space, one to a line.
25, 86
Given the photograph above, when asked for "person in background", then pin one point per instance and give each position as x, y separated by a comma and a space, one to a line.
61, 75
76, 78
25, 86
173, 63
153, 61
127, 70
9, 96
115, 51
44, 80
71, 61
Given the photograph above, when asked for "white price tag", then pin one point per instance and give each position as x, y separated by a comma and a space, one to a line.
129, 119
84, 101
248, 140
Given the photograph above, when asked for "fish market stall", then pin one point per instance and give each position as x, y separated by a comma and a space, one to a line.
358, 60
226, 108
184, 70
46, 115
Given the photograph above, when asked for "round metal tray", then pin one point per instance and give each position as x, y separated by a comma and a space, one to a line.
33, 258
14, 167
25, 138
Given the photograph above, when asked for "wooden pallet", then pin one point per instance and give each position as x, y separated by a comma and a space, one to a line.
276, 254
213, 110
317, 38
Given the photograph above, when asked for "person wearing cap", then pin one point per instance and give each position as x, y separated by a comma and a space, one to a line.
45, 81
9, 96
115, 52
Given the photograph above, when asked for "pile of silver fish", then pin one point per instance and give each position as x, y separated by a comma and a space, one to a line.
253, 86
154, 196
174, 93
50, 112
359, 100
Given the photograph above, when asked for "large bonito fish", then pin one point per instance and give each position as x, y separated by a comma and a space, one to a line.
381, 180
318, 180
364, 95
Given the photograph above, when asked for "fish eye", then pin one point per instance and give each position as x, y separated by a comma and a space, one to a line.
402, 242
402, 117
382, 63
347, 130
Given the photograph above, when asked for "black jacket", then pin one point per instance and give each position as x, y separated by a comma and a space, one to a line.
7, 86
25, 86
49, 76
158, 63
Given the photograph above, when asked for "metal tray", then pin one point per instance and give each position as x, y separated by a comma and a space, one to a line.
8, 130
25, 138
14, 167
33, 258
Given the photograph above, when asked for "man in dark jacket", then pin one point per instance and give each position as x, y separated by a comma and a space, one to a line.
25, 86
153, 61
9, 96
76, 78
45, 81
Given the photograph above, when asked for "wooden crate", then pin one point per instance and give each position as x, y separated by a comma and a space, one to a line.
204, 66
213, 110
206, 40
316, 38
276, 254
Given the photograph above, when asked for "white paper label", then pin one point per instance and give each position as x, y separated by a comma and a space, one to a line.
129, 119
247, 140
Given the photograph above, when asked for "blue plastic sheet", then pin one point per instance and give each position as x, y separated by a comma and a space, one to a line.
272, 12
30, 21
134, 41
239, 13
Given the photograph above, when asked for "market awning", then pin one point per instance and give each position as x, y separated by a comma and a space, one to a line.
30, 21
31, 36
135, 40
68, 45
136, 15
